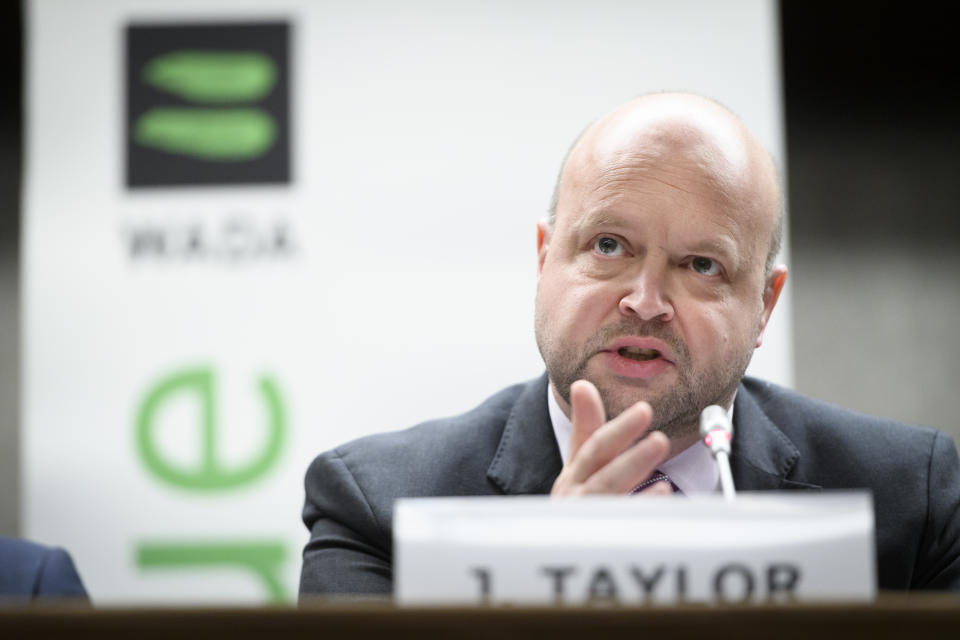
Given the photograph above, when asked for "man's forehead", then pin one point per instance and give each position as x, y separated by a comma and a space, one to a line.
673, 134
606, 190
715, 230
703, 150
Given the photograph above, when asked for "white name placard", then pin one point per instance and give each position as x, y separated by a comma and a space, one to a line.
623, 550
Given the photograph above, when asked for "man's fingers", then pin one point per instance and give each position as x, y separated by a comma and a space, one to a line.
608, 457
633, 466
587, 413
608, 442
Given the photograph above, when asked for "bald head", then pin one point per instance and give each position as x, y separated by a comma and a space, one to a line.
652, 281
679, 132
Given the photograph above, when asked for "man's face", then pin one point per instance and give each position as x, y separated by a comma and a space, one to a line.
652, 284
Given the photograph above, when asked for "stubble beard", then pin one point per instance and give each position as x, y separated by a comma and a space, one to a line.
676, 411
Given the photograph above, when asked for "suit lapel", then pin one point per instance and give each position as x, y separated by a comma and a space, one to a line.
527, 460
762, 456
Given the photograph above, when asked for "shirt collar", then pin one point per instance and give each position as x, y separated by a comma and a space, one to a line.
693, 470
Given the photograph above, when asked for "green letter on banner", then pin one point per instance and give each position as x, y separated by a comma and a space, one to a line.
264, 559
210, 475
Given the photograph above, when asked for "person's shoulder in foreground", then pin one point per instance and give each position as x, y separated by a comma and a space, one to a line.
30, 571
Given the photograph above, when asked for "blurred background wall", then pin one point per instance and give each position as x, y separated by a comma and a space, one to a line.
872, 129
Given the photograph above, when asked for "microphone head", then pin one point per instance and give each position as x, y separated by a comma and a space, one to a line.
716, 429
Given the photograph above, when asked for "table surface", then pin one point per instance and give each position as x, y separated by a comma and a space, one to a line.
905, 617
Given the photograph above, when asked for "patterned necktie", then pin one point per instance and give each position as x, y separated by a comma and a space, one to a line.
658, 476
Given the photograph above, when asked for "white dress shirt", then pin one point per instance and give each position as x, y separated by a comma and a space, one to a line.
693, 470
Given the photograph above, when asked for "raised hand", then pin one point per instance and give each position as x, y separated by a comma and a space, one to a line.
609, 457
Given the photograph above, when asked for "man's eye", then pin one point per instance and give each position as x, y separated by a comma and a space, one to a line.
706, 266
607, 246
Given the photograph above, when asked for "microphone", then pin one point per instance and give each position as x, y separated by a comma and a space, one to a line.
717, 432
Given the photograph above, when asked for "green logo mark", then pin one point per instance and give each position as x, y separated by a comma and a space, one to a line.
211, 134
263, 559
210, 474
212, 76
218, 134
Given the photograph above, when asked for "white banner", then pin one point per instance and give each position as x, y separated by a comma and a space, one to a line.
627, 550
256, 229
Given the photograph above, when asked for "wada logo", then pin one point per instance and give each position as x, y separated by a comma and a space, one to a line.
210, 77
207, 104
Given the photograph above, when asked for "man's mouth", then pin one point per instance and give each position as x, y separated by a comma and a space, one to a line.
638, 354
638, 357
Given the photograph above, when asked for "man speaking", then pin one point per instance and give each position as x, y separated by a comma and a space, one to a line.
656, 282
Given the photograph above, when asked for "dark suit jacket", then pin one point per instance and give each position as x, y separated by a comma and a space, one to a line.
506, 446
29, 570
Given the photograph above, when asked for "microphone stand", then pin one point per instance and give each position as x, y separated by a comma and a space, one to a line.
717, 433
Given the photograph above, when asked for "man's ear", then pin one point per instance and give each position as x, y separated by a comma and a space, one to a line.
771, 293
543, 242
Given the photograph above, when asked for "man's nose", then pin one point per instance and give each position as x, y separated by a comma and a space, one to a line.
647, 296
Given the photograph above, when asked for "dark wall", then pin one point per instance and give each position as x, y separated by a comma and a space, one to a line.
873, 121
873, 130
10, 72
10, 143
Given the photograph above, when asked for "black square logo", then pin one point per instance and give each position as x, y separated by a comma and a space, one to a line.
208, 104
